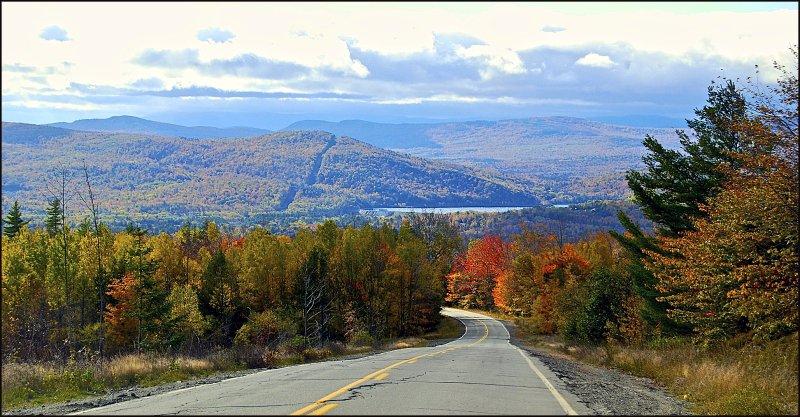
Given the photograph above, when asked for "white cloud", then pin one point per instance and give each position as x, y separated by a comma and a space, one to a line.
595, 60
553, 29
497, 60
329, 40
54, 33
216, 35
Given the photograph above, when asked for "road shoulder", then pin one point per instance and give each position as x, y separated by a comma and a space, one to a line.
599, 390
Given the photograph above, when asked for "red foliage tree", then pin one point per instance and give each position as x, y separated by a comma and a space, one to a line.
474, 275
121, 325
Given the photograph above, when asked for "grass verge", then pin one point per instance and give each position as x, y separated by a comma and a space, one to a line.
31, 385
28, 385
738, 378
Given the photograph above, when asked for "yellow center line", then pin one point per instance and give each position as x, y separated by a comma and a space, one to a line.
324, 409
322, 401
382, 376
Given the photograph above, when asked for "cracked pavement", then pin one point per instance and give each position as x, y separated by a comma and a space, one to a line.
479, 373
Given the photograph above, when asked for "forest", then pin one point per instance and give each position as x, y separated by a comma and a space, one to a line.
73, 291
723, 259
161, 182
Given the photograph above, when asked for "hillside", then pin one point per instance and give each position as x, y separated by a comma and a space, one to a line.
130, 124
562, 159
382, 135
31, 134
161, 178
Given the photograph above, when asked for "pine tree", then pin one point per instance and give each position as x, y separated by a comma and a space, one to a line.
675, 184
53, 220
636, 242
151, 308
13, 222
218, 295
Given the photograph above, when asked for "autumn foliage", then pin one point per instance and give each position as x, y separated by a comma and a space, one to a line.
202, 288
738, 270
475, 273
724, 259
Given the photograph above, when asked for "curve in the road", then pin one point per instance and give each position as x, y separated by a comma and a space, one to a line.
380, 372
479, 373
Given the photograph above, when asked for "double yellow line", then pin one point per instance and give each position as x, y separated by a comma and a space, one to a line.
320, 407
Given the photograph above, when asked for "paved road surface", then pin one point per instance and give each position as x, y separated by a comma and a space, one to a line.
480, 373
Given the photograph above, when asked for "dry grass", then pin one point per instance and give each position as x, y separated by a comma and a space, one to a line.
736, 379
27, 385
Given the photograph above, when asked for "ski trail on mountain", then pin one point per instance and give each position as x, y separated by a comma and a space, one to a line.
294, 191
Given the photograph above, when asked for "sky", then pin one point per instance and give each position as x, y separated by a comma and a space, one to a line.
270, 64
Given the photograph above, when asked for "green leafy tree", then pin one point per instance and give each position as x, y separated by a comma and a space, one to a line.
218, 295
151, 307
601, 310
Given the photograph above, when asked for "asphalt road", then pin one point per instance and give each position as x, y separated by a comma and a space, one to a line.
480, 373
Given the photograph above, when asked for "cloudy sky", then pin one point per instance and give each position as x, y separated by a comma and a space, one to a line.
270, 64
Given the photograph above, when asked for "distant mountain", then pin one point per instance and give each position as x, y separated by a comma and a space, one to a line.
642, 120
31, 134
130, 124
561, 159
166, 178
382, 135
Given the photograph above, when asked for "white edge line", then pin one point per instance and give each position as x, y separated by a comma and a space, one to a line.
561, 401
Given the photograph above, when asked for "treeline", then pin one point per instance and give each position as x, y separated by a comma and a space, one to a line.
722, 263
79, 292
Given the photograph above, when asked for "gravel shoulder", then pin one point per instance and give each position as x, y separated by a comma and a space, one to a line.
605, 391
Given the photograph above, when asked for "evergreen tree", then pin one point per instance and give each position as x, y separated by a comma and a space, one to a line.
218, 295
13, 222
53, 220
636, 242
675, 184
151, 308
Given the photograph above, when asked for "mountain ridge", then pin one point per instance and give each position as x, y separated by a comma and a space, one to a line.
132, 124
155, 177
561, 158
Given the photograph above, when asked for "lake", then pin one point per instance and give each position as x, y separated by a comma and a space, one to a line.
448, 210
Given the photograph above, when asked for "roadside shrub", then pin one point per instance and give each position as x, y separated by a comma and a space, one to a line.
315, 354
337, 347
296, 344
254, 356
362, 338
596, 320
265, 329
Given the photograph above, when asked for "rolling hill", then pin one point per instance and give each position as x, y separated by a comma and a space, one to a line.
130, 124
562, 159
31, 134
149, 177
382, 135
